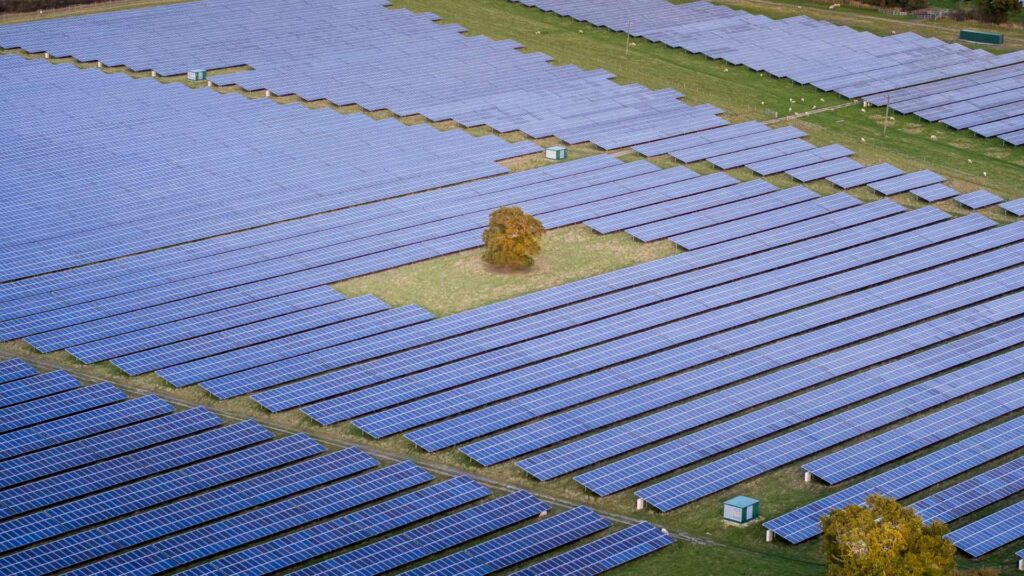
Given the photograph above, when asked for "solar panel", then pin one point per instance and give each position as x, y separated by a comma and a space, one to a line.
748, 463
800, 159
104, 445
1015, 207
781, 326
235, 531
81, 425
157, 522
978, 199
605, 553
934, 193
96, 226
906, 182
940, 425
914, 476
824, 169
973, 493
993, 531
390, 393
57, 405
313, 541
130, 498
433, 537
864, 176
14, 369
519, 545
32, 387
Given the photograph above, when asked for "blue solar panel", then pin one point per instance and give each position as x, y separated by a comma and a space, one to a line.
906, 182
171, 332
978, 199
738, 340
33, 387
81, 425
104, 445
57, 405
995, 530
748, 463
14, 369
973, 493
530, 406
864, 176
157, 522
824, 169
1015, 207
914, 476
434, 537
935, 193
603, 554
667, 457
234, 531
83, 512
899, 442
519, 545
304, 545
329, 315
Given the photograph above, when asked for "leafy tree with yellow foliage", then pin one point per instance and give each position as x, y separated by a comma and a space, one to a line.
885, 538
512, 238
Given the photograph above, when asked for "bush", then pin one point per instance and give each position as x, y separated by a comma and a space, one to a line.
997, 11
33, 5
512, 238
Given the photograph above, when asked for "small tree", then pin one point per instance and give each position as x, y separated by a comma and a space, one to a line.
885, 538
512, 238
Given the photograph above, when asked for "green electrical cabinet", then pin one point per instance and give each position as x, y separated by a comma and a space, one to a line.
741, 509
982, 37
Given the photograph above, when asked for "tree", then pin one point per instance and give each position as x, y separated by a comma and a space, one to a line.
512, 238
884, 539
995, 10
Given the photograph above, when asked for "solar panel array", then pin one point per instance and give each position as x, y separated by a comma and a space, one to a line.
135, 487
147, 165
434, 70
987, 102
906, 479
938, 81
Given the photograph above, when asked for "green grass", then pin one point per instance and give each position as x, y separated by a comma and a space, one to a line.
971, 162
461, 281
